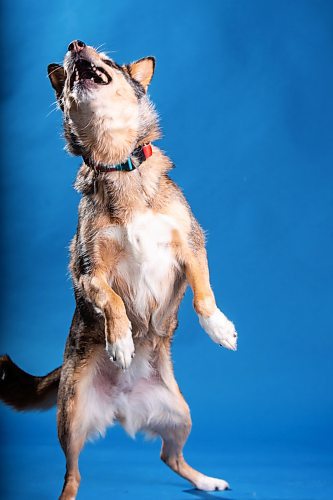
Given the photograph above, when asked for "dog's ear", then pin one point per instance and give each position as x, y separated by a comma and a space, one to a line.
57, 78
142, 70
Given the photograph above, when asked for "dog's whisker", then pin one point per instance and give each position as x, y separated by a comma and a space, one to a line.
100, 46
53, 71
52, 111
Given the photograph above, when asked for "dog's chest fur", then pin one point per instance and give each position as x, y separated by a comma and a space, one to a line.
146, 269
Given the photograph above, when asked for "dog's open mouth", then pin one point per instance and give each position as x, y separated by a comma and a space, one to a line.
86, 71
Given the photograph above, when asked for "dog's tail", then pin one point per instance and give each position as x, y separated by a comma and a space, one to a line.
26, 392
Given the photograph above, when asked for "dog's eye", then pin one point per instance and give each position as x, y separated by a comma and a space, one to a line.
106, 61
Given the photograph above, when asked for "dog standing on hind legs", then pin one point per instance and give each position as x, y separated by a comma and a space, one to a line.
136, 248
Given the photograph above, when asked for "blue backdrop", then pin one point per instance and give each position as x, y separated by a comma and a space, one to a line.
244, 90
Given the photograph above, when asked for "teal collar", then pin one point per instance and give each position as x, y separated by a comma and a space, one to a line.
140, 154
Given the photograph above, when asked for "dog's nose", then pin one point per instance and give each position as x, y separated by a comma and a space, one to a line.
76, 46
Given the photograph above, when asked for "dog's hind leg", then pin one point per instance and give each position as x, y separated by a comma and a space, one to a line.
72, 446
71, 429
174, 438
172, 421
71, 437
82, 411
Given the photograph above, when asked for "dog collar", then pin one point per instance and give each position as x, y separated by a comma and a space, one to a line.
141, 153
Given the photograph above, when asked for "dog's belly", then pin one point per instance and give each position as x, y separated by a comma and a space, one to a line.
137, 397
145, 274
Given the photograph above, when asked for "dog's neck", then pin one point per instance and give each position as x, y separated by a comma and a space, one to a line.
109, 141
122, 193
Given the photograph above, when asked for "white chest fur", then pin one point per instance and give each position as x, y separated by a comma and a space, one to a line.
148, 263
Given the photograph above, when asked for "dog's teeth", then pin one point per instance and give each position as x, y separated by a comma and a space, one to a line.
102, 76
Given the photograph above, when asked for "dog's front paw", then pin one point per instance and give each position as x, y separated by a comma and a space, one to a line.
121, 351
220, 329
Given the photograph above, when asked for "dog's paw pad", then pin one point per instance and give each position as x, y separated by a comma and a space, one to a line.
206, 483
121, 351
220, 329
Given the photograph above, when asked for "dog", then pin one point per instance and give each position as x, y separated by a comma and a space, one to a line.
136, 249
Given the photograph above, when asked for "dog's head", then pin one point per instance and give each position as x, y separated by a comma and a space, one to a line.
106, 110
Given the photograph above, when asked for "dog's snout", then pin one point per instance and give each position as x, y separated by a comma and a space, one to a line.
76, 46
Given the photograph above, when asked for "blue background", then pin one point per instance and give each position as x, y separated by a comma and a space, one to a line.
244, 90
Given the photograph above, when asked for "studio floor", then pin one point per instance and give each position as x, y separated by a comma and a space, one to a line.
132, 470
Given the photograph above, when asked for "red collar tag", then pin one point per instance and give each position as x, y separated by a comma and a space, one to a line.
147, 150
